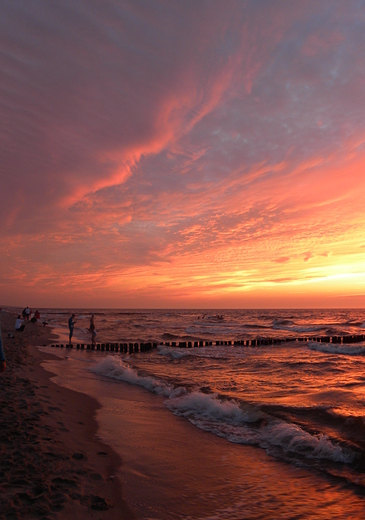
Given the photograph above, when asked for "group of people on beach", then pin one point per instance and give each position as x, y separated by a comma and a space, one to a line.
92, 329
26, 313
19, 327
25, 316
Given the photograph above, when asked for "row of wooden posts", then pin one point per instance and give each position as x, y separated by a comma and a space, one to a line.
145, 347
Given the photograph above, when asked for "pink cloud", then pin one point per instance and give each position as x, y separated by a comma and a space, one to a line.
144, 138
282, 259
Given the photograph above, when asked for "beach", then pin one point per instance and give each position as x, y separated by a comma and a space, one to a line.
108, 435
52, 463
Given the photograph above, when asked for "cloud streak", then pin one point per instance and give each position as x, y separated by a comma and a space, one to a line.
181, 153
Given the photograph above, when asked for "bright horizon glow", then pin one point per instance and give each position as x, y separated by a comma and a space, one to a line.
182, 155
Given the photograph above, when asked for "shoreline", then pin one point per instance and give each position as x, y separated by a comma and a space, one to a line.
85, 447
53, 465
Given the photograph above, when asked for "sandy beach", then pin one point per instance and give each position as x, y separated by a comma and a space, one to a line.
78, 446
52, 465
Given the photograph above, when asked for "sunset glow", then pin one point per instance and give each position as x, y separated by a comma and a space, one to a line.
182, 153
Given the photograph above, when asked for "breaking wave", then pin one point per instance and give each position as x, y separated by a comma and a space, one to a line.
334, 348
237, 422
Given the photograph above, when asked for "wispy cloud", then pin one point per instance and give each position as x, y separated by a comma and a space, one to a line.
195, 152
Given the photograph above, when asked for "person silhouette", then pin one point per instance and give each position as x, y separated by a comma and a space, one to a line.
71, 324
92, 330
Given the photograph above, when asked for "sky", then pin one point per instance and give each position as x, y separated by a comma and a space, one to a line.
182, 153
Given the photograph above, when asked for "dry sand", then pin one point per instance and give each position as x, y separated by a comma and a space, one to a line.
52, 465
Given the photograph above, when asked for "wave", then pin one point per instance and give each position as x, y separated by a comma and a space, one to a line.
167, 336
330, 348
298, 328
345, 427
201, 352
277, 323
311, 328
228, 327
202, 329
251, 426
174, 353
237, 422
116, 369
355, 323
294, 439
256, 326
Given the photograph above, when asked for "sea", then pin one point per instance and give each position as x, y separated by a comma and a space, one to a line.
287, 419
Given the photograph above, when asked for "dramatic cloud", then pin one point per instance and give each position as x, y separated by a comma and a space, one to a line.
182, 153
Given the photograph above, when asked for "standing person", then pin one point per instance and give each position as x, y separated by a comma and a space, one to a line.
71, 324
27, 313
92, 330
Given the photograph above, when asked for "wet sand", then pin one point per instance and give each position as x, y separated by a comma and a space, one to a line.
172, 470
52, 464
55, 465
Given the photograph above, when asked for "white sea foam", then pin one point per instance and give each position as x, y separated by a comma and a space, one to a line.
201, 352
292, 439
334, 348
229, 419
297, 328
208, 406
174, 353
115, 368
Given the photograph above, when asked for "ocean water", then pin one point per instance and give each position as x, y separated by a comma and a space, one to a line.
299, 404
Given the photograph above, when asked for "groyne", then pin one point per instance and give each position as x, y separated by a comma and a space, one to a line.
133, 347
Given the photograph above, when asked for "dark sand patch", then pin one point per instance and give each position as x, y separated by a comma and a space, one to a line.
50, 467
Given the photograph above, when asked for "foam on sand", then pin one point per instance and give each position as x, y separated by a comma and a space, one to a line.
237, 422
